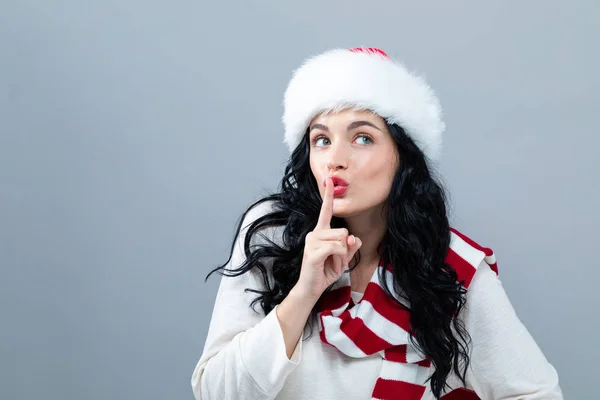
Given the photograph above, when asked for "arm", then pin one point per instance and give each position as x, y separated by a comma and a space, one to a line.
506, 362
292, 314
244, 354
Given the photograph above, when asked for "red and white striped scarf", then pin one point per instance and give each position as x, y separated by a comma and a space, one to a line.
378, 324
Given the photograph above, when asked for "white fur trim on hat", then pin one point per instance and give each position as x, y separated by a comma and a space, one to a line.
364, 79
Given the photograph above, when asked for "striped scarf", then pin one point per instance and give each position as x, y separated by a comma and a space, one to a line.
378, 324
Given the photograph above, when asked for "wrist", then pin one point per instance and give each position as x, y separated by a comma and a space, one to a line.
303, 296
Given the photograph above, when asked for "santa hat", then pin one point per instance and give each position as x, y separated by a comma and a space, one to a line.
363, 78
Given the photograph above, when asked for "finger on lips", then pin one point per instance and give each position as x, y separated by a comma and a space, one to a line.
327, 206
350, 242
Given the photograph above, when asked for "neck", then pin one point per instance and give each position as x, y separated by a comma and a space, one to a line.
370, 227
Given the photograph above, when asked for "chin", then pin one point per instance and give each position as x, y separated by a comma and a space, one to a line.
342, 208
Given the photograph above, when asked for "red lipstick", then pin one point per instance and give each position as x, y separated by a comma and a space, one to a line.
339, 186
337, 181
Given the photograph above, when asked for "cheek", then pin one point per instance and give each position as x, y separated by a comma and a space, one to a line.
378, 175
311, 163
316, 171
378, 171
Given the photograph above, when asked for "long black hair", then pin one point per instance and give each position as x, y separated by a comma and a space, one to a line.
415, 243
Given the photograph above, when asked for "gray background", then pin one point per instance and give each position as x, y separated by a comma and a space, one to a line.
134, 133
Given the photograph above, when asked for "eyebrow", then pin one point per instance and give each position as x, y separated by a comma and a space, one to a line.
357, 124
353, 125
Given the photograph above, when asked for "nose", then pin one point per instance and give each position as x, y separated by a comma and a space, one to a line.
332, 166
337, 157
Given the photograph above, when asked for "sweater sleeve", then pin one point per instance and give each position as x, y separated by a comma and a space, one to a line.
506, 362
244, 355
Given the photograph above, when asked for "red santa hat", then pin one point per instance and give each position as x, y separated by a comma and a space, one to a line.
363, 78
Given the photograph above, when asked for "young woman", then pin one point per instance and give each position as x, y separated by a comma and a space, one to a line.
349, 282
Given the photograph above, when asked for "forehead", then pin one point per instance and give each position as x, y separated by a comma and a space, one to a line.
347, 115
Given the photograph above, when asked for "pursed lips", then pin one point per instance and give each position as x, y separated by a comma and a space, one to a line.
337, 181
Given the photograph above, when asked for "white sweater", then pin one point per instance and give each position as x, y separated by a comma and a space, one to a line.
244, 357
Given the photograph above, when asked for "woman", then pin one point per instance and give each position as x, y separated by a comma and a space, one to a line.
364, 291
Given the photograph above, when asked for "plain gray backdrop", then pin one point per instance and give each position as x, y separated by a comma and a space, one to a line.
133, 134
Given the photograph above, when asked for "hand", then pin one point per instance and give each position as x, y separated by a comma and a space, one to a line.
327, 251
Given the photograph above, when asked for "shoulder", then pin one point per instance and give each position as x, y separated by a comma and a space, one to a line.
253, 278
257, 210
252, 214
466, 256
273, 233
264, 235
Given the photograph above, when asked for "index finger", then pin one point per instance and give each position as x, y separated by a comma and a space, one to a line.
327, 206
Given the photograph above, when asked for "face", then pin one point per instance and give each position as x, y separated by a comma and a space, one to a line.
354, 145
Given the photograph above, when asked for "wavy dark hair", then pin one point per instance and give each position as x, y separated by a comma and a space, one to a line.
415, 243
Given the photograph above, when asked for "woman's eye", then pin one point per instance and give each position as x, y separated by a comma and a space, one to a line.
317, 140
323, 141
367, 138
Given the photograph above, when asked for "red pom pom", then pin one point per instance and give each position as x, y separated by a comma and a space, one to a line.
372, 50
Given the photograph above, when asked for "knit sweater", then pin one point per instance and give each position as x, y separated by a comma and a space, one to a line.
245, 357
